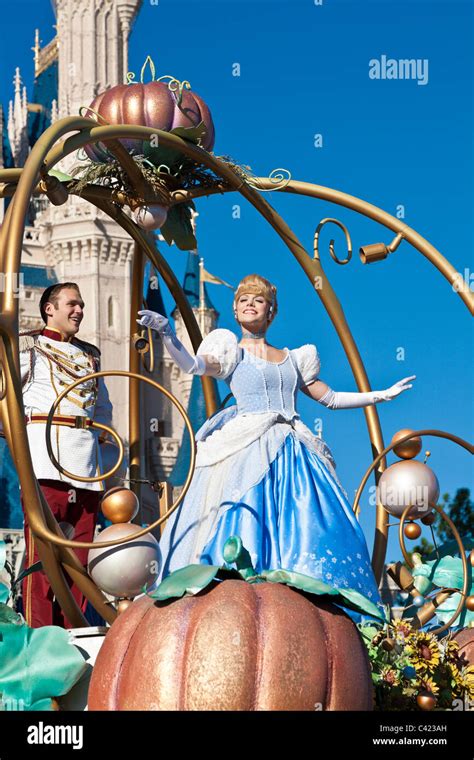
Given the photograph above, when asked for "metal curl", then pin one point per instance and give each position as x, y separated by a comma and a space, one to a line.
273, 177
331, 243
175, 85
95, 114
425, 614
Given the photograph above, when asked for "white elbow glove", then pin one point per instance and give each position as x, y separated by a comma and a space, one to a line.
193, 365
344, 400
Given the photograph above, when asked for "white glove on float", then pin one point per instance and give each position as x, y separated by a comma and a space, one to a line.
344, 400
193, 365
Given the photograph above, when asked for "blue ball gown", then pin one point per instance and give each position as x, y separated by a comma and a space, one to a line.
263, 475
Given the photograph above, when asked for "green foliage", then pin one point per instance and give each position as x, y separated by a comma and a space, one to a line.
461, 512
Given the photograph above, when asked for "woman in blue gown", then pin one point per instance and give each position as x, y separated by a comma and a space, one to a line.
260, 472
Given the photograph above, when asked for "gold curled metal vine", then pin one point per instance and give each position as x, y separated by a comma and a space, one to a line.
89, 113
331, 243
174, 85
273, 177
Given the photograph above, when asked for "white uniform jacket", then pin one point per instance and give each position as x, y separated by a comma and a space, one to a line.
48, 365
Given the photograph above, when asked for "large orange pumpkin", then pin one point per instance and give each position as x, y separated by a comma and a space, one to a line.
233, 646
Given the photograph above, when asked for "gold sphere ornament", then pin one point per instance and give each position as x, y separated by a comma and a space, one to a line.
123, 605
408, 483
408, 449
470, 603
388, 644
471, 558
426, 700
412, 530
119, 505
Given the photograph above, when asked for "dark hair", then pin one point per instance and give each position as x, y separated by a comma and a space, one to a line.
51, 294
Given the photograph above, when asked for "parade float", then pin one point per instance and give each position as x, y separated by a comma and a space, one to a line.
208, 637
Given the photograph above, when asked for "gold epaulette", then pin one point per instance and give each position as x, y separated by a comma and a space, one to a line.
27, 339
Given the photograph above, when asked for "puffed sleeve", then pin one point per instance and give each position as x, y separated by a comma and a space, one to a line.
222, 345
308, 362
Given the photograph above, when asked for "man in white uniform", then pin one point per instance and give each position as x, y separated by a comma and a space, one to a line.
50, 360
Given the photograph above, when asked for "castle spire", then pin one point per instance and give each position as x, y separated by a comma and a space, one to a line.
36, 51
17, 122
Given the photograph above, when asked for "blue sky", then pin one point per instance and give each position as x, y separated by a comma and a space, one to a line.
304, 70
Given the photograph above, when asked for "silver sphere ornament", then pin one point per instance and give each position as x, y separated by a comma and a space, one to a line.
418, 601
124, 570
150, 217
408, 483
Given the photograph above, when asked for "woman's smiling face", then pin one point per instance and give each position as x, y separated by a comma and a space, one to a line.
252, 310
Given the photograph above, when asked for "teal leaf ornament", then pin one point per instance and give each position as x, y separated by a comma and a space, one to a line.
194, 578
36, 664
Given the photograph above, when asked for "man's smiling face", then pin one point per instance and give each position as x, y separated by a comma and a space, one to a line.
67, 313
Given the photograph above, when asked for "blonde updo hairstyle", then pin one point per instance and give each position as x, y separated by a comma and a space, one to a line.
259, 286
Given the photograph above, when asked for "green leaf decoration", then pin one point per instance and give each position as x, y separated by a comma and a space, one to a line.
8, 615
235, 552
446, 610
194, 578
4, 588
192, 134
349, 597
4, 593
60, 175
36, 664
178, 228
186, 580
446, 571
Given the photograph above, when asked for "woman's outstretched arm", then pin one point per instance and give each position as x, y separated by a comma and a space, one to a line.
321, 392
193, 365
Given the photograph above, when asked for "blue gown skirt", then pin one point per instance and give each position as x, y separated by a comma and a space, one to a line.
295, 518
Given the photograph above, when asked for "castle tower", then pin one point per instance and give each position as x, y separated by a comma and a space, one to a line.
93, 53
77, 242
81, 243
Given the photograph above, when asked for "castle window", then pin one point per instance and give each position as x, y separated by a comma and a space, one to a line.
111, 312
